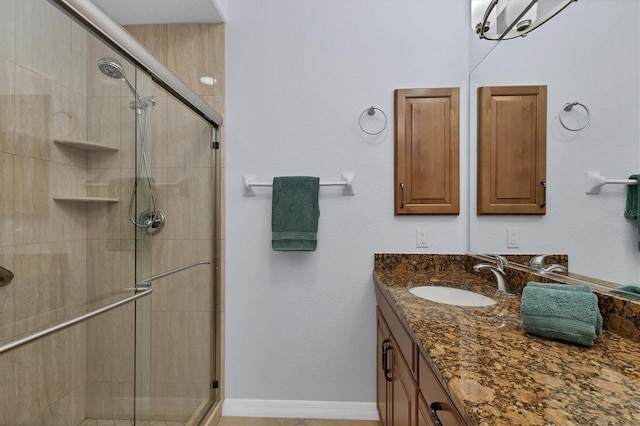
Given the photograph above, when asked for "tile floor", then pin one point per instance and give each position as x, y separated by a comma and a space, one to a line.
256, 421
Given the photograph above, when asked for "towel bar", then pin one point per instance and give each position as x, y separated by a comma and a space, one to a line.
594, 181
347, 182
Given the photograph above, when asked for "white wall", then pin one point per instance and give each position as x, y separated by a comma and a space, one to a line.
301, 326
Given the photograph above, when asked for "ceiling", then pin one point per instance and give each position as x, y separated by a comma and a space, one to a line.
128, 12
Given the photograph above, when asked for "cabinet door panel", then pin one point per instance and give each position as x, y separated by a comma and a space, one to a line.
404, 390
512, 150
427, 159
382, 385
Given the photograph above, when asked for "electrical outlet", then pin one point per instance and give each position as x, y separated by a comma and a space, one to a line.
513, 238
421, 237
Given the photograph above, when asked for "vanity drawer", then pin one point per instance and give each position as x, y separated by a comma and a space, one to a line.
436, 397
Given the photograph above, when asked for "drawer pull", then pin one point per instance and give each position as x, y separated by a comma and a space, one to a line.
434, 407
386, 347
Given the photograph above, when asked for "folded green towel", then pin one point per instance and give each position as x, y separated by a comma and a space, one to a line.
632, 207
630, 291
568, 287
294, 213
560, 314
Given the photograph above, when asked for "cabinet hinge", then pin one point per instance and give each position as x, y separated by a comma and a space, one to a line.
215, 384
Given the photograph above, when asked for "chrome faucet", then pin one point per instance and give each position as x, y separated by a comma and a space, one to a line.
538, 263
499, 270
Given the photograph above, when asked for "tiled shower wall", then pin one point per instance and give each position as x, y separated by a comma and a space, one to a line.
70, 256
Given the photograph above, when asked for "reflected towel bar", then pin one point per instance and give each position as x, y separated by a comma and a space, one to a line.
47, 331
347, 182
594, 181
147, 281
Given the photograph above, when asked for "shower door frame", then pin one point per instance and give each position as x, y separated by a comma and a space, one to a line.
98, 23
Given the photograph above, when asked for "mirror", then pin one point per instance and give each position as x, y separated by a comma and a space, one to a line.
587, 54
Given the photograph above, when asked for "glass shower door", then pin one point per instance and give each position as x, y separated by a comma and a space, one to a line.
175, 354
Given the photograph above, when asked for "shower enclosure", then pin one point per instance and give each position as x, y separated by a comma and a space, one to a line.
109, 226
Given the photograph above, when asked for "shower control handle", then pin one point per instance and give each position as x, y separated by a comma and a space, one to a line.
6, 276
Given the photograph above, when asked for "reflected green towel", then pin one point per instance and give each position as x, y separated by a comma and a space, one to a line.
295, 213
630, 291
569, 287
560, 314
632, 207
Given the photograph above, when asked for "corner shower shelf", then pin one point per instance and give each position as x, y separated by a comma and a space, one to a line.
84, 145
88, 199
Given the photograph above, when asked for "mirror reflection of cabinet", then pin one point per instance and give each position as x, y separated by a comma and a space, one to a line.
427, 145
512, 128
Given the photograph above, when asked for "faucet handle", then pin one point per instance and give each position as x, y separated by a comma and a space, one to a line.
537, 262
501, 262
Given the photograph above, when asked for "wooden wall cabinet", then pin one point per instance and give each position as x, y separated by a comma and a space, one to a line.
408, 392
512, 135
427, 151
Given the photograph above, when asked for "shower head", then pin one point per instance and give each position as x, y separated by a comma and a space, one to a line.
111, 67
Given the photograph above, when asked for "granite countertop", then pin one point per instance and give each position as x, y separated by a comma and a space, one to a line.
496, 374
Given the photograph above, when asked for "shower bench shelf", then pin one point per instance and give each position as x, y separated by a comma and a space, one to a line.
85, 145
88, 199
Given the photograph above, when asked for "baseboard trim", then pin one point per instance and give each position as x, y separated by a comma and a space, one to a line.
300, 409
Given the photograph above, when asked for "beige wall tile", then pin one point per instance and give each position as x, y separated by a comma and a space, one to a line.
191, 54
7, 296
33, 114
7, 28
7, 195
79, 54
110, 347
102, 265
217, 35
77, 409
181, 347
43, 40
189, 138
42, 375
103, 126
191, 290
32, 210
110, 400
153, 37
158, 142
7, 378
42, 285
7, 106
78, 130
190, 204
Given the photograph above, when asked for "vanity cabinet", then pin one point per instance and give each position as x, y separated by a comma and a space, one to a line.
408, 391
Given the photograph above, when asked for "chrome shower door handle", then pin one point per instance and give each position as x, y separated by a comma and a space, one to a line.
6, 276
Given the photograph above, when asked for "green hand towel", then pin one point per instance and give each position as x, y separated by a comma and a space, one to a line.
630, 291
561, 315
568, 287
632, 207
295, 213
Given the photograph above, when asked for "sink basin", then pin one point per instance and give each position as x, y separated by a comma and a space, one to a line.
452, 296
